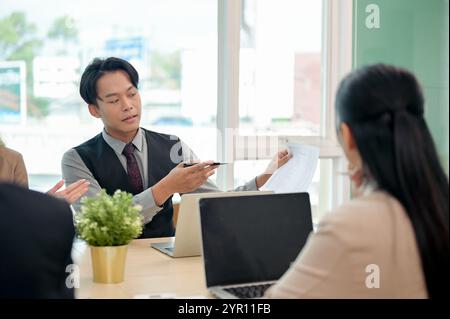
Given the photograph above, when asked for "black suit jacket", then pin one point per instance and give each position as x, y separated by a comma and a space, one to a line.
36, 235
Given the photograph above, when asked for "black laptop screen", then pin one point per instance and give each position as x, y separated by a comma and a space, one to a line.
252, 238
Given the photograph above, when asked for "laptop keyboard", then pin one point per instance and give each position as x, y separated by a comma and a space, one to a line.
251, 291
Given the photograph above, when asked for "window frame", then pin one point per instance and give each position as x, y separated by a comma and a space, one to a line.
337, 25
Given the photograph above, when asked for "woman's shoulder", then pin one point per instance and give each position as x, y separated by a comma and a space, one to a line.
10, 154
363, 216
374, 205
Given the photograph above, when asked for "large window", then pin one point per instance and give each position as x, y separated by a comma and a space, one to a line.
256, 68
172, 43
280, 67
289, 59
280, 74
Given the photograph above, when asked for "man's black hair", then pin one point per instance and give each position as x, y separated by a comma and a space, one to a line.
96, 69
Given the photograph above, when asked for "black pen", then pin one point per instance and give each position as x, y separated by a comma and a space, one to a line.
213, 164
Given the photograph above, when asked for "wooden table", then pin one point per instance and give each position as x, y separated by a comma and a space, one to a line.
147, 271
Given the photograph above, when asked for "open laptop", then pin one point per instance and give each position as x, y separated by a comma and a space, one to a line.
249, 242
187, 235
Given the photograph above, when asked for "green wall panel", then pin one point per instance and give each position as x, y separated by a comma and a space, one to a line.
412, 34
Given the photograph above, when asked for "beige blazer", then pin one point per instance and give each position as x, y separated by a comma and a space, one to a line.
369, 238
12, 167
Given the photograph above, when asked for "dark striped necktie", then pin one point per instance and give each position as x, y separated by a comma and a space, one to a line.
134, 175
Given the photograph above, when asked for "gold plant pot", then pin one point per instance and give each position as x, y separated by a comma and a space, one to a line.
108, 263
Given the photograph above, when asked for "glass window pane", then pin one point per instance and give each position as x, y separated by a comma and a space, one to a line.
172, 44
280, 67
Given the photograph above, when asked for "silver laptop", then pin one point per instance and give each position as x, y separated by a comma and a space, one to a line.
187, 235
249, 242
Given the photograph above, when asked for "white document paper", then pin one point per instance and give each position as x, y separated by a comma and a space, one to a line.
297, 174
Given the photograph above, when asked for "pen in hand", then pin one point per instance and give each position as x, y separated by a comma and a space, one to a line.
213, 164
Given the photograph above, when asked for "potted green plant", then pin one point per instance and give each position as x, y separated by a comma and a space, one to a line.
108, 223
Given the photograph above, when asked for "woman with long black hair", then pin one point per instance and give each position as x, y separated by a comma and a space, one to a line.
391, 241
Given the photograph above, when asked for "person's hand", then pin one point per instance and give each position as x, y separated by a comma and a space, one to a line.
71, 193
281, 158
182, 180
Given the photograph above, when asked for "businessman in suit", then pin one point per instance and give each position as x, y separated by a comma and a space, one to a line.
125, 156
37, 232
